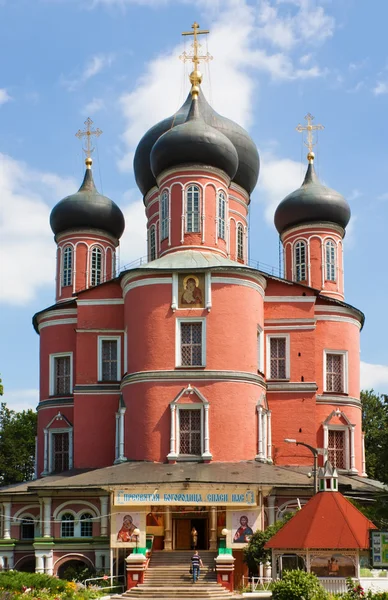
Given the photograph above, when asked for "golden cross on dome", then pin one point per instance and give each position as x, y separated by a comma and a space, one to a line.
88, 132
195, 58
310, 128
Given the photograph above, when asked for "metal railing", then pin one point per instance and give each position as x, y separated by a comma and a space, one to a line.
92, 580
256, 584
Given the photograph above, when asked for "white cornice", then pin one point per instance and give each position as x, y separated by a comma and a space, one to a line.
100, 301
338, 318
259, 286
290, 299
314, 228
89, 232
182, 170
56, 322
127, 285
63, 312
334, 400
292, 386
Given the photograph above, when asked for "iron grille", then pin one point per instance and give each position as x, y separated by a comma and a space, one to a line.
336, 448
278, 358
334, 373
191, 344
60, 452
190, 431
62, 375
109, 360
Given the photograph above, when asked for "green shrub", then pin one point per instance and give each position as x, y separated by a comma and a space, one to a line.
18, 581
298, 585
383, 574
366, 572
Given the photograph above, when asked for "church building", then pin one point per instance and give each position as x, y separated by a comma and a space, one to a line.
168, 390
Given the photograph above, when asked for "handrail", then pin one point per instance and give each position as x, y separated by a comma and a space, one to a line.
254, 582
106, 578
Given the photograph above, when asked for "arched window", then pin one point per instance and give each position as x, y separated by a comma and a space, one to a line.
330, 251
152, 243
67, 266
221, 215
300, 261
27, 530
86, 525
96, 266
240, 243
192, 209
164, 216
67, 525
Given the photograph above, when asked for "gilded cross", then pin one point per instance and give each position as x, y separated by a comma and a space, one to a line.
88, 132
195, 57
309, 128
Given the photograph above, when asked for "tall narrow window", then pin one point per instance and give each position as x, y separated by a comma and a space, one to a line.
335, 373
109, 360
62, 375
60, 452
152, 243
164, 216
330, 251
191, 344
300, 261
67, 266
278, 357
67, 525
27, 531
240, 243
96, 267
86, 525
336, 448
221, 215
190, 431
192, 209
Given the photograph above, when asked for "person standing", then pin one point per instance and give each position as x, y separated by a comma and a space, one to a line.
196, 564
194, 538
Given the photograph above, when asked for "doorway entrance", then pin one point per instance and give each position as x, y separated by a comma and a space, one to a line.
182, 526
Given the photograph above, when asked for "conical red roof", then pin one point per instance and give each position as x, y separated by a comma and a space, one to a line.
329, 521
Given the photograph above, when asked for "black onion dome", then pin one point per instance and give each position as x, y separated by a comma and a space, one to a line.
248, 158
194, 142
311, 203
87, 208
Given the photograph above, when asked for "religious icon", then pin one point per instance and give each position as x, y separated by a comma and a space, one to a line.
191, 291
243, 533
243, 525
125, 533
155, 517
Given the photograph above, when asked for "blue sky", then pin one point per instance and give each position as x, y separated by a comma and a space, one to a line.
117, 62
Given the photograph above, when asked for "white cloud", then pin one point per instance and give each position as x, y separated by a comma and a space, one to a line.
4, 96
21, 399
94, 106
94, 66
133, 244
278, 178
374, 377
383, 196
381, 88
26, 241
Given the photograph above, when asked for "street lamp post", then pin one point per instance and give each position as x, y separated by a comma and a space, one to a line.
314, 452
136, 533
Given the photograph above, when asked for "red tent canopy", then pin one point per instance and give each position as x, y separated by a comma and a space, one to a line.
327, 521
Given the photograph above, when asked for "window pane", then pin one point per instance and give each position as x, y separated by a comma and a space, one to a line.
96, 267
164, 210
152, 244
27, 529
330, 261
240, 243
109, 357
192, 209
60, 450
221, 215
300, 261
62, 375
334, 373
190, 431
278, 358
67, 266
67, 525
191, 344
336, 448
86, 525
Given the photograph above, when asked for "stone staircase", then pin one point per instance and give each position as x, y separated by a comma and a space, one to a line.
168, 578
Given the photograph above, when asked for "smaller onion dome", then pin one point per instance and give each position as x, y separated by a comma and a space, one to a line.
194, 141
87, 208
312, 203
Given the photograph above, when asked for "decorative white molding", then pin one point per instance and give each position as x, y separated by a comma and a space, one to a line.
108, 338
178, 355
290, 299
56, 322
131, 285
100, 302
258, 287
339, 319
345, 369
269, 337
52, 381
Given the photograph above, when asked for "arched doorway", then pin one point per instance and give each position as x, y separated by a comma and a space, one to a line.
27, 564
75, 569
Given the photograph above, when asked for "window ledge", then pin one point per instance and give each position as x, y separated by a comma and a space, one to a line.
108, 381
326, 393
191, 366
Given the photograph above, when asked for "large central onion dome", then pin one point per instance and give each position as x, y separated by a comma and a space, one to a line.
312, 203
89, 209
193, 142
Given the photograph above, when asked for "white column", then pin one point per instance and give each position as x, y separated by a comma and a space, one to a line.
121, 436
45, 457
271, 509
269, 436
167, 528
213, 529
364, 473
104, 515
7, 520
260, 450
264, 433
206, 439
39, 563
203, 216
173, 453
325, 441
36, 459
46, 517
10, 560
71, 448
183, 217
49, 564
208, 285
352, 451
117, 438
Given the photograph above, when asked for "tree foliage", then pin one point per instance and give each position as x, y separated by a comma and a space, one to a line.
298, 585
375, 426
1, 387
255, 553
17, 445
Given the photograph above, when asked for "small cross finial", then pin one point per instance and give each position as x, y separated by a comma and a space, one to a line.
88, 132
195, 58
310, 128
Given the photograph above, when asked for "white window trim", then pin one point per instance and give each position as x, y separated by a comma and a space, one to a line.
344, 428
77, 523
349, 428
260, 349
192, 406
200, 207
330, 242
48, 446
102, 269
71, 248
221, 197
286, 336
52, 358
305, 263
178, 353
345, 370
164, 222
152, 229
264, 437
108, 338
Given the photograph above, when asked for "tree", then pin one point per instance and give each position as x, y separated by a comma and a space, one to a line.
255, 553
17, 445
375, 426
1, 387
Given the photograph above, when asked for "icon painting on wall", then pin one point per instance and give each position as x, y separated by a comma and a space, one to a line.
191, 291
126, 525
